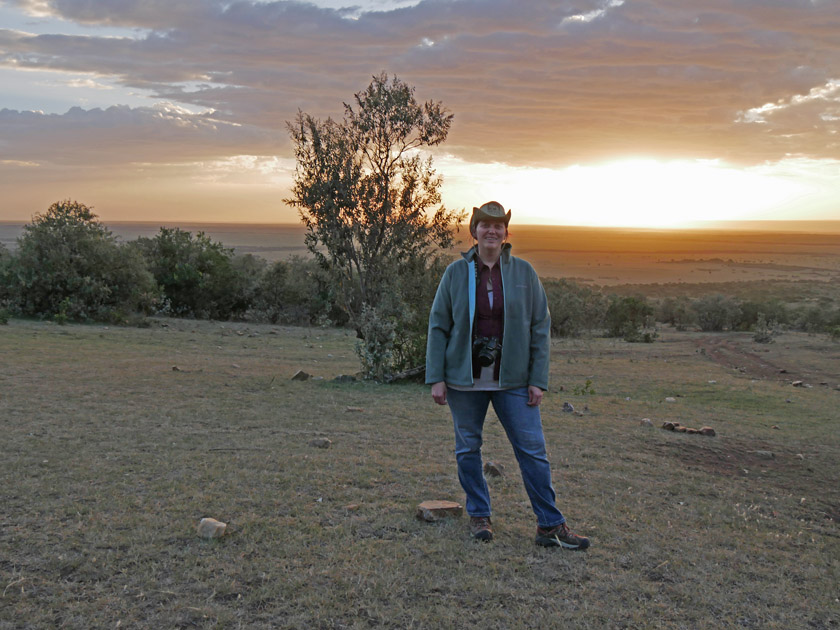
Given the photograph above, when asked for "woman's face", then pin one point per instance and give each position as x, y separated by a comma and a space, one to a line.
490, 234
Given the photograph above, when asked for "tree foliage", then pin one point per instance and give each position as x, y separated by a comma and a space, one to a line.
69, 265
371, 201
630, 318
575, 308
717, 312
199, 277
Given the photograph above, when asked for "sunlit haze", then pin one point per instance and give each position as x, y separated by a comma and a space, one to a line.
638, 113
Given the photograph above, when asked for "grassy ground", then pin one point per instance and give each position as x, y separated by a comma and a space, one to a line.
111, 457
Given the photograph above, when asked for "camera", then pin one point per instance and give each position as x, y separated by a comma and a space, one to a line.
486, 350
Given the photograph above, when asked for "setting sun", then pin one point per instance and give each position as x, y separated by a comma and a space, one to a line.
637, 193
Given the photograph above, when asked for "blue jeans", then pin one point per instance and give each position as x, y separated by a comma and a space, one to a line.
524, 430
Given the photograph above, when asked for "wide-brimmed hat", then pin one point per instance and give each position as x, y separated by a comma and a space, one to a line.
490, 211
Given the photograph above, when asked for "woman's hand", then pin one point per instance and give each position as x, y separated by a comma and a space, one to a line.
439, 392
535, 395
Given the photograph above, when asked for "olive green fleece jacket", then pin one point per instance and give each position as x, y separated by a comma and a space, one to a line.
527, 333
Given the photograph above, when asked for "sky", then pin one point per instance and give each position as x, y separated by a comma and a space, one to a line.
640, 113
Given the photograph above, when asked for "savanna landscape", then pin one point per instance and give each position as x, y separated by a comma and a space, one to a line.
119, 439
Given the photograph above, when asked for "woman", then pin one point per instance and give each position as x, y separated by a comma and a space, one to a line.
489, 342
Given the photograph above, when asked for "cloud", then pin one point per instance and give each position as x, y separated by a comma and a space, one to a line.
532, 83
125, 135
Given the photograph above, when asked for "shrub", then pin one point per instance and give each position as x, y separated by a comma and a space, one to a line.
677, 312
6, 281
763, 331
68, 264
773, 311
630, 318
296, 291
716, 312
812, 319
574, 308
375, 347
199, 277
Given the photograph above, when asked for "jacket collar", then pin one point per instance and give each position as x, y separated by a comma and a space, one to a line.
472, 254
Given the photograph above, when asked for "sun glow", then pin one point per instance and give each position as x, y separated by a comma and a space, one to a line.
632, 193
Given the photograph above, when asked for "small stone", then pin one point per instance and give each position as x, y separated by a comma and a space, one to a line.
321, 442
351, 507
234, 365
175, 368
494, 469
568, 407
353, 410
798, 384
708, 431
800, 456
692, 431
670, 399
211, 528
300, 375
775, 426
680, 429
646, 422
432, 511
712, 382
670, 426
344, 378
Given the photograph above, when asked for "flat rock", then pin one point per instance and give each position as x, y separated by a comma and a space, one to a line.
708, 431
646, 422
670, 399
321, 442
300, 375
432, 511
211, 528
568, 407
494, 469
344, 378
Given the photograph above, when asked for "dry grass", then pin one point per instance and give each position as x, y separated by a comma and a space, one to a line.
111, 457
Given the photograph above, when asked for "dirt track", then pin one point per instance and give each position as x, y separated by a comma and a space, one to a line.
771, 362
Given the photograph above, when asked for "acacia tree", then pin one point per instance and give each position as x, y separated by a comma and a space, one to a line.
371, 201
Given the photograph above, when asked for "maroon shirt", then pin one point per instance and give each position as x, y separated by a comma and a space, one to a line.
489, 320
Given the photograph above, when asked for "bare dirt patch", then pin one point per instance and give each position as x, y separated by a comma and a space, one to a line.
732, 354
790, 358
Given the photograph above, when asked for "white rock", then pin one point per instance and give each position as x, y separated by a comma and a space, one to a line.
211, 528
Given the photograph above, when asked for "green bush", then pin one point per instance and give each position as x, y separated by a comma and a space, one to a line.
676, 311
630, 318
375, 346
199, 277
296, 291
574, 308
716, 313
774, 312
68, 264
7, 292
763, 330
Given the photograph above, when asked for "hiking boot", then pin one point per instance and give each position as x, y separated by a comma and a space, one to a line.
561, 536
481, 528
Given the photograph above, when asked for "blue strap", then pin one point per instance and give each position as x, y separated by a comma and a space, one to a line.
471, 276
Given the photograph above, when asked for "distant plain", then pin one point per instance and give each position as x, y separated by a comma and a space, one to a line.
599, 256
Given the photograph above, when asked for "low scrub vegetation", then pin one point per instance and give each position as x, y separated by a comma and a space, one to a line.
68, 267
